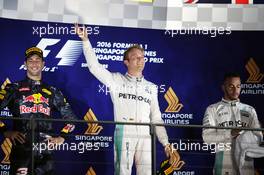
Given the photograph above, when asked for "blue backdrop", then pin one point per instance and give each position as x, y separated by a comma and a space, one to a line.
189, 66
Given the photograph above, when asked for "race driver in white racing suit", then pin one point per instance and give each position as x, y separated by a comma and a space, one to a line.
229, 112
135, 100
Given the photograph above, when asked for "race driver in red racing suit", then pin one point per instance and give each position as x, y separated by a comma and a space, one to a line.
31, 98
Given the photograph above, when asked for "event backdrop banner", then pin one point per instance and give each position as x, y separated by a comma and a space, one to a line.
186, 65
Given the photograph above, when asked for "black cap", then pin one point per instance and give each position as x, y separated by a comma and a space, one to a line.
34, 50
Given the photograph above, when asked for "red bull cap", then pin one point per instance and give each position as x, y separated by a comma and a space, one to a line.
34, 50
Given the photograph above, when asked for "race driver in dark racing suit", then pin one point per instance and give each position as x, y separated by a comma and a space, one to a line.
31, 98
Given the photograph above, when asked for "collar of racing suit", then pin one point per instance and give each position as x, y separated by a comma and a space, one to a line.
33, 82
133, 78
232, 102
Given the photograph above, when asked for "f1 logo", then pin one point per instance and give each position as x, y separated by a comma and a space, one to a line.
68, 54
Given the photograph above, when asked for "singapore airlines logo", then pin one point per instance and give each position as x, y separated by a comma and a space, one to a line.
173, 101
2, 91
93, 128
254, 72
6, 147
2, 95
90, 171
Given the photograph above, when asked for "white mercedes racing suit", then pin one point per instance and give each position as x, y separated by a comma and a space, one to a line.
134, 100
228, 114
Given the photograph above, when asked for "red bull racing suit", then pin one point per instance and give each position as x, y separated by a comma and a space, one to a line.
33, 99
228, 114
134, 100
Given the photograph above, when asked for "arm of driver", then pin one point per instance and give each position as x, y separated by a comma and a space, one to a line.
211, 135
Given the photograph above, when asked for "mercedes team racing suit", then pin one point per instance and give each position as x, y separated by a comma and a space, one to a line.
228, 114
134, 100
33, 99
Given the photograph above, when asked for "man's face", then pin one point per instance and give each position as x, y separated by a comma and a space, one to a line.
232, 88
34, 65
135, 61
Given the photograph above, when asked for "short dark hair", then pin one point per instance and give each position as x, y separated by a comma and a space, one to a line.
136, 46
230, 75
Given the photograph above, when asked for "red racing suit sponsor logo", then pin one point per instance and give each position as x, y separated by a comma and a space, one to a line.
22, 171
68, 128
24, 89
36, 98
35, 109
